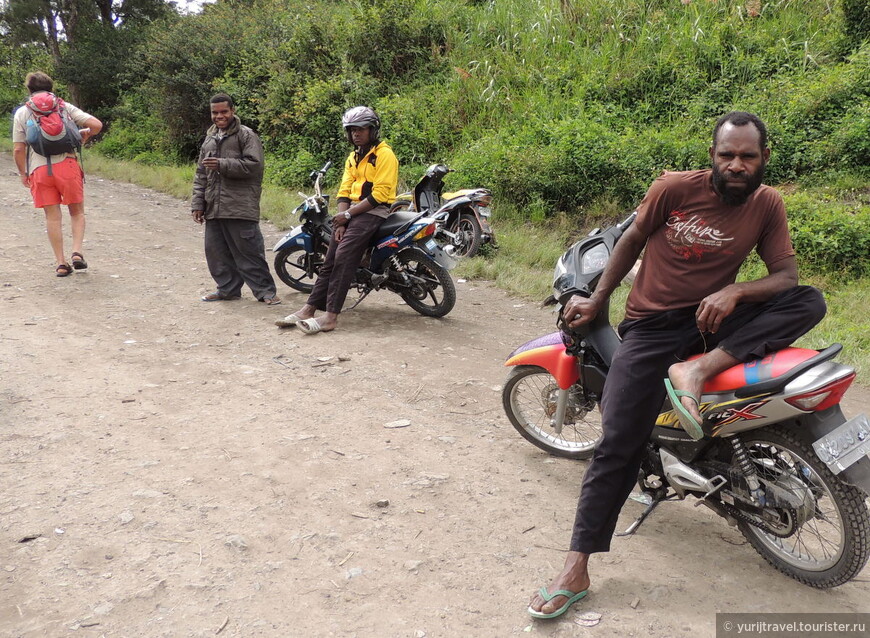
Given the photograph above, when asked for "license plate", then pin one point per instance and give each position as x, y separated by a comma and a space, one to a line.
484, 211
431, 244
846, 445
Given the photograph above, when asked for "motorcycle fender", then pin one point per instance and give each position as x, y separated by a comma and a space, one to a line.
548, 353
858, 475
296, 237
817, 425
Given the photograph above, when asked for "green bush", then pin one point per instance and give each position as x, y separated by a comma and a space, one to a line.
830, 236
856, 14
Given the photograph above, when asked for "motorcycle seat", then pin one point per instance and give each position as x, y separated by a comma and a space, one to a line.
393, 224
459, 193
746, 375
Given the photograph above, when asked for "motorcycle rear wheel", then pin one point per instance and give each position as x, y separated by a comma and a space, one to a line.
529, 398
830, 547
293, 265
469, 235
428, 279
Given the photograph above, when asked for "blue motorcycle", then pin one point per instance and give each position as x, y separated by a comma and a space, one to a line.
403, 256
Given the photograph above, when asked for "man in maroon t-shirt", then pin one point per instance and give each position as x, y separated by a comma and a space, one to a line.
696, 228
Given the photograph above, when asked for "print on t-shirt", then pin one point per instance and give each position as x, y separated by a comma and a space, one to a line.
691, 236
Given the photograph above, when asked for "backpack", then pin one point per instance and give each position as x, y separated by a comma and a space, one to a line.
50, 131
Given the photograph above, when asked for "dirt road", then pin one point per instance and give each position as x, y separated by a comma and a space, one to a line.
187, 469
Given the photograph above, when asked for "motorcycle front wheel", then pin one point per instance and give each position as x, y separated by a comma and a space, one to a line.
529, 397
294, 264
825, 541
468, 235
430, 290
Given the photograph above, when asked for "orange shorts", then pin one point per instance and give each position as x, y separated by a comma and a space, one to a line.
65, 186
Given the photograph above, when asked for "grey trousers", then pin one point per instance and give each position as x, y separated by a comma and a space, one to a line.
235, 254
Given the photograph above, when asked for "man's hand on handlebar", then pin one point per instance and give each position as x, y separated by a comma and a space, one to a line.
580, 310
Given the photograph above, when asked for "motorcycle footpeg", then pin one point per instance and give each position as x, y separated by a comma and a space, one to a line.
716, 483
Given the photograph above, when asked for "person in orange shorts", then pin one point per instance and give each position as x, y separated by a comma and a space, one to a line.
56, 179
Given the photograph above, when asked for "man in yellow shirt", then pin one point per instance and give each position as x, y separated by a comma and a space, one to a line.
368, 187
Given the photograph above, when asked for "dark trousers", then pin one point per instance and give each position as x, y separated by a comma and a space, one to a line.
342, 260
235, 254
634, 391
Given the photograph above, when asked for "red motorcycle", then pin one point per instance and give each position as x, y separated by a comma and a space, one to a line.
778, 458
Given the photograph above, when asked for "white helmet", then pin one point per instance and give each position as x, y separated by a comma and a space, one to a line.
361, 116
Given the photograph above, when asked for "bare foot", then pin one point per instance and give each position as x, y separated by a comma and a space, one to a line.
688, 376
327, 321
305, 312
574, 577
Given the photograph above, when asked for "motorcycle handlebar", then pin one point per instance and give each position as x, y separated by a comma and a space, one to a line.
627, 221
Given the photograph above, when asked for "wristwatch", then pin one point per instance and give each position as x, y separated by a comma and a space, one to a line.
347, 215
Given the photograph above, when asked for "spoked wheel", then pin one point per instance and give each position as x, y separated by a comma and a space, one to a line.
824, 539
468, 235
298, 268
429, 289
530, 395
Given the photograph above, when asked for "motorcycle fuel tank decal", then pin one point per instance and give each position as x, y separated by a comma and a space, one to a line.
769, 367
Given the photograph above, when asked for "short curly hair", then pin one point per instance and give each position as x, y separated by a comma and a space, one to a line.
741, 118
38, 81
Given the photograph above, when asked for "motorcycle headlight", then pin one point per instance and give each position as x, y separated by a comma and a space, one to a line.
594, 260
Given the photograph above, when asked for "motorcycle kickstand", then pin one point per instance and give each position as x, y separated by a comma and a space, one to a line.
358, 301
631, 529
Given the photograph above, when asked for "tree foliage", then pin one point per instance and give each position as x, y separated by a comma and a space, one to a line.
89, 41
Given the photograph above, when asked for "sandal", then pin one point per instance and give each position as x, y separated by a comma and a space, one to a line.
274, 300
63, 270
78, 261
216, 296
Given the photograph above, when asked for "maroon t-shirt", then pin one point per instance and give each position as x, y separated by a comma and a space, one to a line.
697, 243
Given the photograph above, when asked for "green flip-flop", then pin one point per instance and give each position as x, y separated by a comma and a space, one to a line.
546, 595
690, 424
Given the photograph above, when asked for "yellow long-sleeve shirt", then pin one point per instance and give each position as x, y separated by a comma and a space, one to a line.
375, 177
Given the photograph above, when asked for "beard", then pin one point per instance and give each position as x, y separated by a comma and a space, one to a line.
735, 193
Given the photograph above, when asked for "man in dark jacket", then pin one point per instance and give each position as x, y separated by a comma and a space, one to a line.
226, 196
